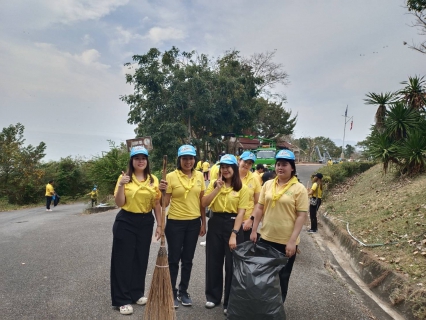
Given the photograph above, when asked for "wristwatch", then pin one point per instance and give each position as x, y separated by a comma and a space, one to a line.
251, 218
235, 231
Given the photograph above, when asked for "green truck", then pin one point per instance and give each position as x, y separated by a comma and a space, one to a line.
265, 156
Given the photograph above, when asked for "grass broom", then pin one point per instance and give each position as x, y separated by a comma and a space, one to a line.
160, 305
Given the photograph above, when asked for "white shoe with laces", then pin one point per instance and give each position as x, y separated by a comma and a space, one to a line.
126, 309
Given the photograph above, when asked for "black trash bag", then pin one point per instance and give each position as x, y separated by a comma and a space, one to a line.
255, 288
56, 200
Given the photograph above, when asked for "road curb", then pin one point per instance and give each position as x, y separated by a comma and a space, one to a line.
381, 280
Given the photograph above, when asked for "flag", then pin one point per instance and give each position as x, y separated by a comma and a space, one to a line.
346, 112
352, 122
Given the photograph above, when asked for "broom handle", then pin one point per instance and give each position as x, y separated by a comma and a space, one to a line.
163, 202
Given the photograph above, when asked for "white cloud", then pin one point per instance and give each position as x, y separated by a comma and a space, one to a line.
158, 34
87, 39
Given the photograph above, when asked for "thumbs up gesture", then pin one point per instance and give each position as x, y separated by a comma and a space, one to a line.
124, 178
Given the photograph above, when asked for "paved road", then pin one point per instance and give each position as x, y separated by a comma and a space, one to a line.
55, 265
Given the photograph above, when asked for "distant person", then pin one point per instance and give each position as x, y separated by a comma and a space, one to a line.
260, 170
206, 167
329, 162
94, 196
268, 175
137, 193
50, 192
214, 171
199, 166
316, 194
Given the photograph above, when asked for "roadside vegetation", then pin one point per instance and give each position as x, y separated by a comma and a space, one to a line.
390, 211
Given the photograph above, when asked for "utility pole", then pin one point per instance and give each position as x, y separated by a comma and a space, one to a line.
342, 156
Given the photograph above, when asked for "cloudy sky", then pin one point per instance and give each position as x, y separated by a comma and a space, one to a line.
61, 61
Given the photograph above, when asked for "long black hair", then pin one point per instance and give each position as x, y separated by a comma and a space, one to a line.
146, 171
236, 182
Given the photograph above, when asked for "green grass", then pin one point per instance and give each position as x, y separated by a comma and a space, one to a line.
390, 210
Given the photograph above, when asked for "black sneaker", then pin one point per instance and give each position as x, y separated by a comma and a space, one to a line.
185, 299
176, 302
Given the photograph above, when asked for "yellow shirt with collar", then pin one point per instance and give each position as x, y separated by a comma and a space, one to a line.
231, 201
182, 208
205, 166
258, 177
214, 172
253, 185
314, 188
198, 167
49, 190
278, 222
139, 199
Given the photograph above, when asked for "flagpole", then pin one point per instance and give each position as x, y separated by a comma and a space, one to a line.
342, 156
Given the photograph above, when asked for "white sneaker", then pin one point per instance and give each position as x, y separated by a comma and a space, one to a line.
142, 301
203, 243
126, 309
48, 209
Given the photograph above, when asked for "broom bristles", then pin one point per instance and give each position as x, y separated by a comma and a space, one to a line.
160, 305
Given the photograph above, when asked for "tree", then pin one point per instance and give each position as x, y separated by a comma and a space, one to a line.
417, 8
182, 97
349, 150
271, 73
381, 100
326, 144
414, 93
20, 167
274, 119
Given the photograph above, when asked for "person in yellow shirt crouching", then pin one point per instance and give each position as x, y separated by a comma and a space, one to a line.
228, 198
283, 205
137, 193
186, 220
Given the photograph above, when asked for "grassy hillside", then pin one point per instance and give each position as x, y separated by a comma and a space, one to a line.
388, 210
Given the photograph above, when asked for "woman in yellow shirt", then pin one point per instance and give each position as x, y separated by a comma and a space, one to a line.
249, 179
228, 198
283, 205
137, 193
186, 219
315, 193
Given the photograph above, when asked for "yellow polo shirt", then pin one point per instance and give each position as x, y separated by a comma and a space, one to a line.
278, 222
314, 188
253, 185
206, 166
49, 190
258, 177
198, 167
140, 195
181, 207
214, 172
229, 200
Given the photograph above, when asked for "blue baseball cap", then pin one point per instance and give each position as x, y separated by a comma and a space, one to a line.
138, 150
186, 150
228, 159
94, 189
285, 154
247, 155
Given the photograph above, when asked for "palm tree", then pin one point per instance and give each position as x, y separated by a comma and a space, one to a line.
400, 119
381, 100
414, 92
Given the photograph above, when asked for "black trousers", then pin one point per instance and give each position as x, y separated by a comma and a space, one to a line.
182, 237
132, 234
286, 271
313, 215
218, 252
48, 202
94, 201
